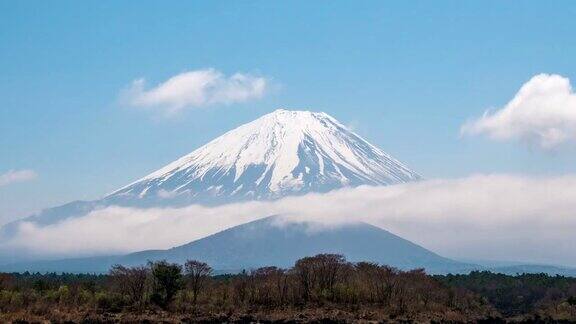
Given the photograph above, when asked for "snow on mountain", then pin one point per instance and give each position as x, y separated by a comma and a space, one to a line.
281, 153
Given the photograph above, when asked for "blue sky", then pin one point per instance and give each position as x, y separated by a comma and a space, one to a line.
406, 75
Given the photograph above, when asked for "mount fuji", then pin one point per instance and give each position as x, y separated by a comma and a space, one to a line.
282, 153
279, 154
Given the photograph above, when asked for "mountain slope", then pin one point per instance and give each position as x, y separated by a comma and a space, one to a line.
281, 153
268, 241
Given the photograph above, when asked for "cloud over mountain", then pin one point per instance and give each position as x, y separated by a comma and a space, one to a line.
485, 216
542, 114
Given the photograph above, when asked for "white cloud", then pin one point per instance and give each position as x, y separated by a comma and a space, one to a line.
498, 217
15, 176
194, 89
542, 113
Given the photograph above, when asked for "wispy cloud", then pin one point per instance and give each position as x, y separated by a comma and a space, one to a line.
15, 176
486, 217
195, 89
542, 113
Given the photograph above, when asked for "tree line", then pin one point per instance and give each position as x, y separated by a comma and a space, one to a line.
326, 283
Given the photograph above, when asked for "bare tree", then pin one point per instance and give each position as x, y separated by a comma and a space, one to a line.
320, 273
304, 271
130, 281
240, 287
268, 286
197, 273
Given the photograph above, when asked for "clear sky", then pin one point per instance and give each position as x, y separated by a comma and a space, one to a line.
404, 74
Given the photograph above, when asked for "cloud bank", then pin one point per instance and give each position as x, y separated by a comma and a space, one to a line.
15, 176
498, 217
195, 89
542, 114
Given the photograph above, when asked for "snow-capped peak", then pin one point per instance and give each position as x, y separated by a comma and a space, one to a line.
283, 152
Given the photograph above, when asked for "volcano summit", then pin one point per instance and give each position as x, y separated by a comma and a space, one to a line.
281, 153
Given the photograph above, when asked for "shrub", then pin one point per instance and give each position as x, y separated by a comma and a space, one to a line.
110, 302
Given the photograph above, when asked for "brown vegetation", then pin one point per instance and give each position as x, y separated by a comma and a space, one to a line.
319, 288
